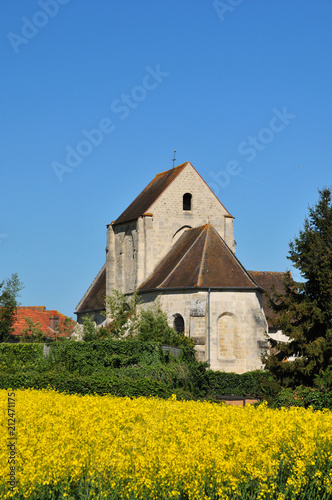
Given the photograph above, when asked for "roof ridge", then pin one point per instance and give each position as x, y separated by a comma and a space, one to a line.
182, 165
207, 227
36, 308
184, 255
237, 260
268, 272
90, 287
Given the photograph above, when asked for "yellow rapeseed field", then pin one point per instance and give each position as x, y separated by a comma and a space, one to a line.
109, 447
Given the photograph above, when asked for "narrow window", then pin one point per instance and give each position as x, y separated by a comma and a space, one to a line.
178, 324
187, 201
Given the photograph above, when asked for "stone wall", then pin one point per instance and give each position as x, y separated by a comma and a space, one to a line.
237, 325
238, 330
121, 258
134, 249
169, 219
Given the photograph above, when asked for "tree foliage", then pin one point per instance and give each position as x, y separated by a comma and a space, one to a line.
122, 313
32, 332
63, 329
90, 329
126, 320
9, 290
305, 309
153, 326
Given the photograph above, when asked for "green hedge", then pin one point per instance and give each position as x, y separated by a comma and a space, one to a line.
255, 383
95, 384
73, 355
123, 367
13, 354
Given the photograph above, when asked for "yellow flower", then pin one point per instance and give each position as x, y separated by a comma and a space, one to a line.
148, 447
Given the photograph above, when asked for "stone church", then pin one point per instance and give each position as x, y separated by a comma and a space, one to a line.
175, 241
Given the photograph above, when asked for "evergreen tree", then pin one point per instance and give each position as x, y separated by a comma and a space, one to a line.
8, 304
305, 309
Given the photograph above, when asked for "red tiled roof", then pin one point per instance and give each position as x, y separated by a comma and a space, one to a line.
267, 279
200, 258
38, 314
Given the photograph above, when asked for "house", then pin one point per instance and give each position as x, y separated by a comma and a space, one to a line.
175, 242
50, 323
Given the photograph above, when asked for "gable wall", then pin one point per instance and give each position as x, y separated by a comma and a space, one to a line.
135, 248
168, 216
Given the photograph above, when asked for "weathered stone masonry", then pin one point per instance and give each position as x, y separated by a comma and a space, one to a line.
176, 242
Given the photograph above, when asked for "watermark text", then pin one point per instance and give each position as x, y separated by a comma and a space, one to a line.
30, 27
11, 441
122, 107
251, 147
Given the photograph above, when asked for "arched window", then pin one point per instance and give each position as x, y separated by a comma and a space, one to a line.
178, 323
226, 336
187, 201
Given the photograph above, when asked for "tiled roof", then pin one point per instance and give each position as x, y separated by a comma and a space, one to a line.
38, 314
148, 196
266, 280
200, 258
94, 298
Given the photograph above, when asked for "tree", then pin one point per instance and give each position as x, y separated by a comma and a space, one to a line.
305, 309
32, 332
122, 313
153, 326
63, 329
146, 325
90, 329
9, 290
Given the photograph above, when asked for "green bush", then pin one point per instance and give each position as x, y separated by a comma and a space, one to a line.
13, 356
303, 397
97, 354
257, 383
97, 383
124, 367
153, 326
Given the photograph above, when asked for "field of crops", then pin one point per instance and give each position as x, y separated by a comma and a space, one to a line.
67, 446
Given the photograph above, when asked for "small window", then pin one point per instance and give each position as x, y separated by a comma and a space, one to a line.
187, 201
178, 324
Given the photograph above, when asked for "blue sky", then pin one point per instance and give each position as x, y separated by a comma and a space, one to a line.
241, 89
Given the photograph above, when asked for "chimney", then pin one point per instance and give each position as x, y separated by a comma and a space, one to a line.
54, 321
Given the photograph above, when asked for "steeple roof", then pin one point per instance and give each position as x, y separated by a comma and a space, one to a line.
149, 195
200, 259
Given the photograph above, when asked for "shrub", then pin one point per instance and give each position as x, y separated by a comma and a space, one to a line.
303, 397
20, 354
153, 326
